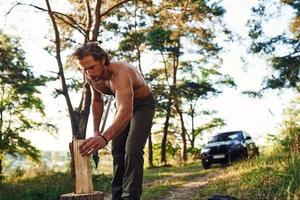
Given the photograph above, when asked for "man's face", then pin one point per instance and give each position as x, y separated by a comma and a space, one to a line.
92, 68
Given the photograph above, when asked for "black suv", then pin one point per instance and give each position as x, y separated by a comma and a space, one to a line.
227, 146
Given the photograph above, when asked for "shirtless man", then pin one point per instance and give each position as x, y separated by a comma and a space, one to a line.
132, 123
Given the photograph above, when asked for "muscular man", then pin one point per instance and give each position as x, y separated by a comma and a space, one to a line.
132, 123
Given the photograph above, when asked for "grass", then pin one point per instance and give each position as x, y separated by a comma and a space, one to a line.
268, 177
275, 177
46, 187
157, 181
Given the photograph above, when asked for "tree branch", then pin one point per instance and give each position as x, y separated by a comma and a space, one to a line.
56, 14
89, 20
113, 7
61, 70
97, 20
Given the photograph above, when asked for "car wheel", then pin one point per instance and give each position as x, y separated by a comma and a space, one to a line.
245, 155
229, 159
256, 152
205, 164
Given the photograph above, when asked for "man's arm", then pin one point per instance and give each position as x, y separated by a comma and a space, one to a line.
124, 101
122, 84
97, 110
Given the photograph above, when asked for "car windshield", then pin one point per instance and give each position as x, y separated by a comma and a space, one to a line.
227, 137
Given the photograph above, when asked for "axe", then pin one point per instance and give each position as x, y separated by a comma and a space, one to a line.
95, 154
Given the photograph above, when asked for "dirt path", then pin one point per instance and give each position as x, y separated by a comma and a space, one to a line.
188, 190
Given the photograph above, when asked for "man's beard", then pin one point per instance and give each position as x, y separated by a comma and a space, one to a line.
96, 79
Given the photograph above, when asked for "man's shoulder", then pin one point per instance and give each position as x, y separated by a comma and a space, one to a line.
119, 65
121, 68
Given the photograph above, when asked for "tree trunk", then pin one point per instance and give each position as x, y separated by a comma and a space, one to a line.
83, 111
150, 151
183, 131
0, 168
193, 128
163, 158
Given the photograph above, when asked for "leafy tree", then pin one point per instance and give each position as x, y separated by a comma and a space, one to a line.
193, 91
176, 25
130, 25
156, 78
282, 49
200, 83
83, 22
19, 99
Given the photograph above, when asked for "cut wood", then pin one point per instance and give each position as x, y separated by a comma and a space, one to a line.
82, 176
83, 170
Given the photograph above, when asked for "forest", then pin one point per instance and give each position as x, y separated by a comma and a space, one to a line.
179, 47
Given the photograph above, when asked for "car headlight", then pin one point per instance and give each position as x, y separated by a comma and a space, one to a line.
205, 150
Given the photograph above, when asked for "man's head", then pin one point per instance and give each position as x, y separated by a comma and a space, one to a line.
92, 59
91, 49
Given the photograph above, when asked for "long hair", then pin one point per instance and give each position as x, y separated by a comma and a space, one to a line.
91, 49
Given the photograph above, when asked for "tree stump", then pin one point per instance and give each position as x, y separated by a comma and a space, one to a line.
88, 196
81, 176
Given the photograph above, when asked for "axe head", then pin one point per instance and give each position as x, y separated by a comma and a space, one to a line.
96, 159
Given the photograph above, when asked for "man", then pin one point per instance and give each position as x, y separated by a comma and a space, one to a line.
132, 123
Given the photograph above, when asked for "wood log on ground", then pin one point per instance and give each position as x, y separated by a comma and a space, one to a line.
83, 170
88, 196
82, 176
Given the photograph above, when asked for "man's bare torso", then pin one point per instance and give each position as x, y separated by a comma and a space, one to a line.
140, 87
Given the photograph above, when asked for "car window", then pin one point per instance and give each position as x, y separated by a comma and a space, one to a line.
227, 137
233, 136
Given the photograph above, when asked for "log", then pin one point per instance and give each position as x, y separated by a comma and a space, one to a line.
81, 171
72, 165
88, 196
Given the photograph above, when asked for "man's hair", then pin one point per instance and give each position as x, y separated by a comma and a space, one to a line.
91, 49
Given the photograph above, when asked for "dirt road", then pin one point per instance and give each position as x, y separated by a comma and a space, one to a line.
188, 190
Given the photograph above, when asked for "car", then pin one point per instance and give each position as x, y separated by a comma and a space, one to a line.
228, 146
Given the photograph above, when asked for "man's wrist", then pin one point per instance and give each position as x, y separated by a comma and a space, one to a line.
104, 138
96, 133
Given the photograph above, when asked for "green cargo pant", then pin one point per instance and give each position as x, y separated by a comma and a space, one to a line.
127, 151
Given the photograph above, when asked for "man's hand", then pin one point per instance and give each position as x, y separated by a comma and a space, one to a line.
96, 133
91, 145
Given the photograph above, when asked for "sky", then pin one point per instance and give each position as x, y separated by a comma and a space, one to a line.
255, 116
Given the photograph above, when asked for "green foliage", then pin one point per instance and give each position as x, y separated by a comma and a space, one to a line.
156, 78
130, 24
194, 90
252, 94
215, 122
195, 152
210, 7
159, 39
289, 137
283, 49
19, 98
